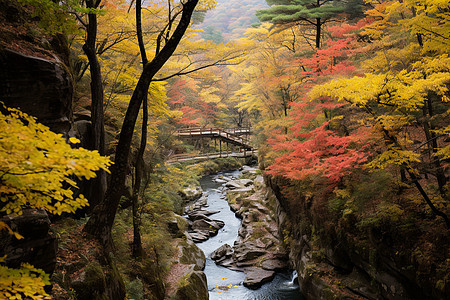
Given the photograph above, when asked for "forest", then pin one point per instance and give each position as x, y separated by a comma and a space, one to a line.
347, 103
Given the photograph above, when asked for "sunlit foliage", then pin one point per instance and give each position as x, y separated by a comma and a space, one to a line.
38, 169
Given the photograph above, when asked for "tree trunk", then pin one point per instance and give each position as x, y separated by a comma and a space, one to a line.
393, 140
318, 32
432, 143
137, 243
139, 167
102, 219
97, 115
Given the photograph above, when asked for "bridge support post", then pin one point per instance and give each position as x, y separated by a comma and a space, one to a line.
220, 148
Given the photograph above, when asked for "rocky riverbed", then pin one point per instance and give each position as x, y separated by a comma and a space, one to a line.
257, 251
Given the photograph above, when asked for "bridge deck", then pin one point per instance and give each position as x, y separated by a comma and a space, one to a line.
187, 157
232, 136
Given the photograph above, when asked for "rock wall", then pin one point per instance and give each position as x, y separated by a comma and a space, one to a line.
333, 269
186, 279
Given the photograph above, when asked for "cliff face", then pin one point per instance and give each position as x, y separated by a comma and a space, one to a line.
330, 266
34, 68
39, 87
34, 78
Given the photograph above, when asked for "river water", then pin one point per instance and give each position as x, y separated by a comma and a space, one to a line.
227, 284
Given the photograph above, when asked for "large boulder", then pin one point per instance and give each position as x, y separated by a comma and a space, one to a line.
191, 193
207, 225
199, 236
91, 283
39, 87
192, 286
256, 277
39, 245
99, 282
201, 214
223, 252
191, 254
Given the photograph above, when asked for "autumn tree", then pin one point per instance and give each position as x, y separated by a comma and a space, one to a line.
102, 218
404, 93
197, 100
94, 45
268, 80
37, 170
319, 141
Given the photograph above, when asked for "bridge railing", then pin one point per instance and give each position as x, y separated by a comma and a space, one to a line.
198, 131
236, 130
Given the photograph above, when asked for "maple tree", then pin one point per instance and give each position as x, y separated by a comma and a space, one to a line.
404, 88
319, 141
199, 104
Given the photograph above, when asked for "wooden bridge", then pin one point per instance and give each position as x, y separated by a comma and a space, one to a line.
234, 136
201, 156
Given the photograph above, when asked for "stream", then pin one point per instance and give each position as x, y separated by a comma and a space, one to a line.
224, 283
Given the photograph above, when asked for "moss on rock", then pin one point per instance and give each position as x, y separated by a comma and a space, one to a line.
192, 286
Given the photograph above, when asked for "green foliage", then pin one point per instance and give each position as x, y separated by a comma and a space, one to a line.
53, 16
135, 289
212, 34
143, 278
213, 166
386, 213
291, 11
364, 185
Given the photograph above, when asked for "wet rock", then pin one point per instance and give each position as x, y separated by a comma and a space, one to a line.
245, 182
203, 227
228, 263
201, 214
223, 252
232, 185
199, 236
274, 265
256, 277
205, 224
197, 204
247, 252
246, 169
